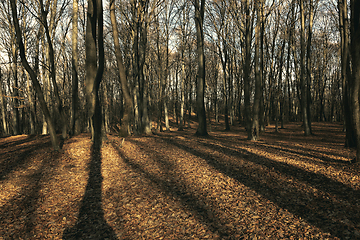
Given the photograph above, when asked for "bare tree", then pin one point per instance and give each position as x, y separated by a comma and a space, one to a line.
33, 77
355, 54
125, 126
94, 53
200, 88
304, 92
255, 131
75, 76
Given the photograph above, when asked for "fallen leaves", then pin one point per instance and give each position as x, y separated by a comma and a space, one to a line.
176, 186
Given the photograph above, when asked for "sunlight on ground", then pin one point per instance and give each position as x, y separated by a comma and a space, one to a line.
176, 186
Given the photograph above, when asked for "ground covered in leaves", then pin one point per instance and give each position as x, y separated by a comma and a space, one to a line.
174, 185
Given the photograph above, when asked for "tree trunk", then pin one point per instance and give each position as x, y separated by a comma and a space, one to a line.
255, 131
304, 97
36, 84
15, 100
182, 102
200, 88
3, 107
128, 103
247, 70
75, 79
355, 45
350, 139
309, 65
53, 72
94, 41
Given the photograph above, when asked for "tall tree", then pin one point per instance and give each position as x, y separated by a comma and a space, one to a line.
125, 124
258, 72
51, 55
74, 67
94, 54
140, 23
355, 54
350, 139
3, 107
35, 82
303, 84
200, 88
14, 67
247, 69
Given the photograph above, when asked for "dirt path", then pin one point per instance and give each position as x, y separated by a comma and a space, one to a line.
177, 186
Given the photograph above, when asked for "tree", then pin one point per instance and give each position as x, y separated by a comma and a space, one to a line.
35, 82
75, 63
3, 107
350, 139
247, 69
200, 88
140, 23
355, 47
51, 54
255, 131
125, 126
303, 83
222, 34
94, 53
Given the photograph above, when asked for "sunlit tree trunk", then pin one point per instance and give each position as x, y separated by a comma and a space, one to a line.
53, 71
3, 107
15, 100
125, 124
74, 126
36, 84
182, 101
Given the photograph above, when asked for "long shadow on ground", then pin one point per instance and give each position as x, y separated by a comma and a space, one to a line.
91, 223
315, 207
21, 210
172, 185
9, 163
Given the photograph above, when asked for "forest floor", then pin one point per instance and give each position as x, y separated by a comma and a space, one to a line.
174, 185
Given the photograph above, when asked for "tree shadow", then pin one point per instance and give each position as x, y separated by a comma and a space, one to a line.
21, 210
22, 149
91, 223
316, 208
172, 185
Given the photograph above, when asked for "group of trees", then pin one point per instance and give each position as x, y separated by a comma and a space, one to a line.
252, 62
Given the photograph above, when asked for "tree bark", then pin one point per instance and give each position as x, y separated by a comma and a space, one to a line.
75, 78
350, 139
247, 70
125, 124
304, 92
36, 84
53, 71
3, 108
200, 88
15, 100
255, 131
94, 41
309, 64
355, 45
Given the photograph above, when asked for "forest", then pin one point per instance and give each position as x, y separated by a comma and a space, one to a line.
263, 62
179, 119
